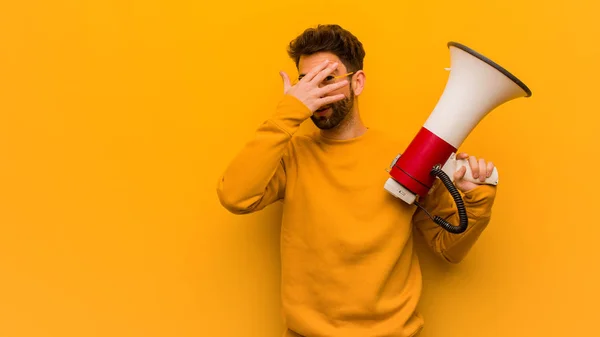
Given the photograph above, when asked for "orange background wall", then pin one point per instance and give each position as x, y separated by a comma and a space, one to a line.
117, 117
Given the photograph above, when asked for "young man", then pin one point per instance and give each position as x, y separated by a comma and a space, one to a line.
348, 262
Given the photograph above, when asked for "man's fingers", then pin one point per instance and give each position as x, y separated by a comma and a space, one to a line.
489, 169
286, 81
331, 87
482, 170
330, 99
462, 155
314, 71
460, 173
319, 77
474, 166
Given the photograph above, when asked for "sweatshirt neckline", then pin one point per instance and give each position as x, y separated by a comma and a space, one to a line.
333, 141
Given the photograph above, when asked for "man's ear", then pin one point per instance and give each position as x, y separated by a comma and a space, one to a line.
358, 82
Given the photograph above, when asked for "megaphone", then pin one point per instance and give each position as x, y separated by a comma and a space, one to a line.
476, 86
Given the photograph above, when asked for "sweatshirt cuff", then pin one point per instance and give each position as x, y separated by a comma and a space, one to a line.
290, 113
479, 200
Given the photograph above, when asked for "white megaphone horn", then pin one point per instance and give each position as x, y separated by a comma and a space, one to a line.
476, 86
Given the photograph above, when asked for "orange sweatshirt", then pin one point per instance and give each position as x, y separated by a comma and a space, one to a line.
349, 268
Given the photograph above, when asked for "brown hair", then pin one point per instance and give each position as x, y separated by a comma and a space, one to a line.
329, 38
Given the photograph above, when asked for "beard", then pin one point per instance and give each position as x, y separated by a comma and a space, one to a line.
339, 112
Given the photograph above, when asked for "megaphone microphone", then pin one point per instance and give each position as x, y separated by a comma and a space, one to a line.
476, 86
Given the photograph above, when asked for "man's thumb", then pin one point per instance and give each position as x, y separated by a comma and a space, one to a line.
286, 81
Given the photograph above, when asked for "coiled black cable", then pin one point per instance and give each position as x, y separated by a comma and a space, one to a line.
462, 213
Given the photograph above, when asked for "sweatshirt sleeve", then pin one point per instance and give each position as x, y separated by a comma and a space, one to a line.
256, 177
454, 247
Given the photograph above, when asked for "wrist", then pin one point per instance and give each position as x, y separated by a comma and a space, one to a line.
479, 200
290, 113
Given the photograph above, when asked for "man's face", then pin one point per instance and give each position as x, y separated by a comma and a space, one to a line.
331, 115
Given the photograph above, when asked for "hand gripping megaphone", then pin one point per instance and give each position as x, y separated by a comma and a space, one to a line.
476, 85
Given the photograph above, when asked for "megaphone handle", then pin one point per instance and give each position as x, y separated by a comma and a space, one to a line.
462, 213
491, 180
